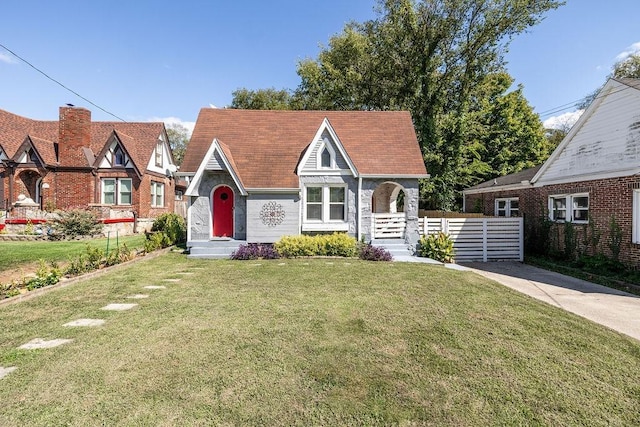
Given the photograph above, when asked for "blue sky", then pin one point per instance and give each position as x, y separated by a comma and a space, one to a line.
144, 60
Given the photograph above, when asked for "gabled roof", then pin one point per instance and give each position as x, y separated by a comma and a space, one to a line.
266, 146
521, 179
142, 137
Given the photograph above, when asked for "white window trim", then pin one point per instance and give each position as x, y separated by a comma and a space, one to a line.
118, 193
569, 207
321, 147
155, 186
325, 224
507, 207
159, 153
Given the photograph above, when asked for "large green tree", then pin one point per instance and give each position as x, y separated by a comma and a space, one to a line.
428, 57
178, 139
261, 99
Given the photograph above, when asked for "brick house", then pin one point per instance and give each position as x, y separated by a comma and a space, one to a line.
117, 169
591, 180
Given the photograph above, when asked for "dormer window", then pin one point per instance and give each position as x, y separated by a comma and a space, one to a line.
32, 156
118, 157
325, 158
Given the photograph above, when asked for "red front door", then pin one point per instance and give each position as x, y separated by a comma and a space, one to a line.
223, 212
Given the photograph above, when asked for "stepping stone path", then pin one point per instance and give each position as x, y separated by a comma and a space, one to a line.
86, 322
171, 280
38, 343
186, 273
6, 371
155, 287
118, 307
282, 263
138, 296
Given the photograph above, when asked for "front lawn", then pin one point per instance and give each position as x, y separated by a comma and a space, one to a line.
310, 342
25, 255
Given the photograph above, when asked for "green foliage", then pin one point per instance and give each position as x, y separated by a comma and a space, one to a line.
173, 226
437, 246
119, 255
156, 240
261, 99
442, 61
570, 241
178, 136
537, 231
44, 277
336, 244
615, 238
94, 258
8, 290
77, 222
29, 228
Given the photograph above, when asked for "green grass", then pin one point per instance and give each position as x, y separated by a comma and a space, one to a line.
15, 255
311, 342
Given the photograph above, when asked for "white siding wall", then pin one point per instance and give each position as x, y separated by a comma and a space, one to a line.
312, 163
271, 216
607, 142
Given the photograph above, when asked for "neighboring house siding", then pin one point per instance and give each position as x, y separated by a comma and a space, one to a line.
608, 141
200, 211
271, 216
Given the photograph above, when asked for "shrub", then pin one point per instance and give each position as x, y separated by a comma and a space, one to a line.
77, 222
44, 277
336, 244
369, 252
156, 240
437, 246
255, 251
9, 290
173, 226
119, 255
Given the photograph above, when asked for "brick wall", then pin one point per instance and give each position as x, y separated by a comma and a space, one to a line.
608, 199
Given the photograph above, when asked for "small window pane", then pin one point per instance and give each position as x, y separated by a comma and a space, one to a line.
314, 194
336, 212
581, 202
336, 195
109, 191
314, 212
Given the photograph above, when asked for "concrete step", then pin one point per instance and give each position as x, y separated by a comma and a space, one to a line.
213, 249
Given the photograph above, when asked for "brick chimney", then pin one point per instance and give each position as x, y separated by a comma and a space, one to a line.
74, 133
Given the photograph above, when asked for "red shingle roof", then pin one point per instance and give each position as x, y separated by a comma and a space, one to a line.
267, 145
140, 145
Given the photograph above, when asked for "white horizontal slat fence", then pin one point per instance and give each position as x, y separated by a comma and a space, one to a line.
480, 239
389, 225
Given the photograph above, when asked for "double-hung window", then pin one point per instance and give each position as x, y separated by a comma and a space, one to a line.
116, 191
158, 153
157, 194
325, 207
507, 207
569, 207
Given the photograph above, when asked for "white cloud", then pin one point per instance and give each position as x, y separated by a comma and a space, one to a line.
631, 50
563, 121
174, 120
7, 58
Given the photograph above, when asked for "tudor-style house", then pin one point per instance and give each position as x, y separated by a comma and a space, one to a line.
256, 176
114, 168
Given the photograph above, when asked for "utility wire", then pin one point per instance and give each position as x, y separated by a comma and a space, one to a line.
56, 81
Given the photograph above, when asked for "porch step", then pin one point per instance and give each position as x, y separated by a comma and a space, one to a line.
213, 249
396, 247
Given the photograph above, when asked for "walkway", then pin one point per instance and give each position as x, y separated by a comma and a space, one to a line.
615, 309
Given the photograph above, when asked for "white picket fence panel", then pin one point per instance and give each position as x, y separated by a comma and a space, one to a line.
388, 225
480, 239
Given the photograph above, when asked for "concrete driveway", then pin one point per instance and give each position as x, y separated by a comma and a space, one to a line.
615, 309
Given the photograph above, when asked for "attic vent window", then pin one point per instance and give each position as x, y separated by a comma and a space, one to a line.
32, 156
118, 157
325, 158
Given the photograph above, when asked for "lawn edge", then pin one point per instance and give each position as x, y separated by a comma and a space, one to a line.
73, 280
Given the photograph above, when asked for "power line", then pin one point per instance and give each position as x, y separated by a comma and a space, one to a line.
57, 82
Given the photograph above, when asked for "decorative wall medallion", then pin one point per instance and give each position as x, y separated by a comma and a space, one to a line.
272, 214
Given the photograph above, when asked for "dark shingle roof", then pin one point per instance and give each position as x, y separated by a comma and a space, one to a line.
514, 178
